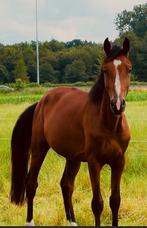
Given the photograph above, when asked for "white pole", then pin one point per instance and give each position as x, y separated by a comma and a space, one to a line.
37, 44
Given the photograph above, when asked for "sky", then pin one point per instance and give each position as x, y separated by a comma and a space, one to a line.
63, 20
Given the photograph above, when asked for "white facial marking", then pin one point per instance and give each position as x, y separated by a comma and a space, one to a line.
116, 63
30, 223
70, 223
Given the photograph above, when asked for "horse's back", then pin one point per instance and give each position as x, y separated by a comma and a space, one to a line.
70, 97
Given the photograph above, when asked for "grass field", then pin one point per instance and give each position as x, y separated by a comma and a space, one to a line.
48, 205
34, 94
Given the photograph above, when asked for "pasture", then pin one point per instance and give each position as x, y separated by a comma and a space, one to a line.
48, 204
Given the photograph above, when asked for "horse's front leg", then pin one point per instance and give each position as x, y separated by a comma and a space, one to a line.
97, 201
67, 186
116, 171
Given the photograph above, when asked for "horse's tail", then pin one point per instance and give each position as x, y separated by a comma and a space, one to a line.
20, 144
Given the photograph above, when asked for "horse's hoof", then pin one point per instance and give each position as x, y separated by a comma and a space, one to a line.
70, 223
30, 223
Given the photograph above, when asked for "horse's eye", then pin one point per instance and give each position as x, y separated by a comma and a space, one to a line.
105, 71
129, 69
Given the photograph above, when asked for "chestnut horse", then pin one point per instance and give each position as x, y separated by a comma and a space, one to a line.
82, 127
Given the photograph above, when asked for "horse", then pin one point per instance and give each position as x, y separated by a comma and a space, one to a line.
82, 127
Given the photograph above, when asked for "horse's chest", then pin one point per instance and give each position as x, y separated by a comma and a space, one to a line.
105, 149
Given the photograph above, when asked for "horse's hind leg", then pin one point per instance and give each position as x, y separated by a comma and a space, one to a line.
67, 185
38, 154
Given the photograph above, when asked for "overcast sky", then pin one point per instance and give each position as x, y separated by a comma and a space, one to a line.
64, 20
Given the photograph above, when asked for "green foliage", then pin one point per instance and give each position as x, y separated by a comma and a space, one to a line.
4, 75
47, 73
58, 61
137, 55
54, 45
139, 95
75, 70
133, 24
19, 84
23, 93
133, 21
20, 70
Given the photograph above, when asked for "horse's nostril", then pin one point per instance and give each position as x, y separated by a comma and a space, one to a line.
123, 103
113, 103
114, 106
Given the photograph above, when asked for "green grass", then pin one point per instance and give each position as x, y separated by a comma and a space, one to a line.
137, 95
35, 93
48, 205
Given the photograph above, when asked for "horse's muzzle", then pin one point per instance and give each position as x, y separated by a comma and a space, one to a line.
117, 106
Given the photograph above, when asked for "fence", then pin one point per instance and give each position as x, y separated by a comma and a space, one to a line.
132, 141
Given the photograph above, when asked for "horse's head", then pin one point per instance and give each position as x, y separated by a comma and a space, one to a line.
116, 69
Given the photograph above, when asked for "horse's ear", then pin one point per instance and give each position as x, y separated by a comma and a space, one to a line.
126, 46
107, 46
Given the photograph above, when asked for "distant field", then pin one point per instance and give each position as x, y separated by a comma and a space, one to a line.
48, 206
35, 93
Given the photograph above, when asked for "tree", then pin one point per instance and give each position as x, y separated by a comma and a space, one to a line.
138, 54
54, 45
75, 71
4, 75
29, 57
58, 60
8, 57
20, 70
133, 21
74, 43
133, 24
143, 62
47, 73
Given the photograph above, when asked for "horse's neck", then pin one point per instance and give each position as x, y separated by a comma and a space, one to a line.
110, 121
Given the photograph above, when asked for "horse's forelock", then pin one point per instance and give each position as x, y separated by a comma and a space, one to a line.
116, 51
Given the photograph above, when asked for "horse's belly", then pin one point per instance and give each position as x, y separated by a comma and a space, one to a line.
67, 150
65, 140
63, 124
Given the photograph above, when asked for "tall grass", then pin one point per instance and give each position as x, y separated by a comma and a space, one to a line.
48, 204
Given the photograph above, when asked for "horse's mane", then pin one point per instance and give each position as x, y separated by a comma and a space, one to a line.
96, 92
97, 89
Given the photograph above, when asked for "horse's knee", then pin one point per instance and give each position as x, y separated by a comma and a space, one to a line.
97, 205
66, 187
114, 202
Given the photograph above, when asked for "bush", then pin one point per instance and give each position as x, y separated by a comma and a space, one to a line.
19, 84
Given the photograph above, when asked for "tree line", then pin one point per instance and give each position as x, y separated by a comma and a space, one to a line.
76, 60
